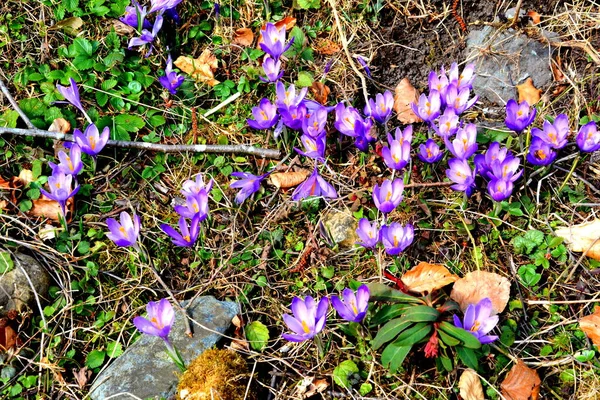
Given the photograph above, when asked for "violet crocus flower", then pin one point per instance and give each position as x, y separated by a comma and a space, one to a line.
506, 169
458, 100
462, 175
540, 152
147, 37
71, 94
364, 64
69, 164
465, 78
402, 136
188, 235
389, 195
196, 205
314, 185
314, 125
162, 5
396, 238
555, 134
314, 147
428, 107
60, 188
265, 115
135, 13
448, 123
519, 116
91, 142
368, 233
194, 187
381, 108
171, 80
500, 189
308, 318
293, 117
397, 155
248, 184
274, 40
588, 138
272, 69
125, 232
464, 145
483, 162
438, 82
430, 152
349, 122
159, 320
287, 97
479, 321
353, 306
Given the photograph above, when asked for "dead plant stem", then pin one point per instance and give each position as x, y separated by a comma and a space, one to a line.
14, 105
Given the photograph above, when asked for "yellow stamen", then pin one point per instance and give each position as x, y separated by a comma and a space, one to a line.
70, 163
305, 327
187, 238
395, 241
156, 323
124, 232
475, 326
92, 143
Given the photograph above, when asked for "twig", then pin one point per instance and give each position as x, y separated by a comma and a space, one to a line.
14, 105
228, 100
517, 11
427, 184
165, 148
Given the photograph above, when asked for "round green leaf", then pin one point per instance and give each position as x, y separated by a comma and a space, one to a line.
343, 371
258, 335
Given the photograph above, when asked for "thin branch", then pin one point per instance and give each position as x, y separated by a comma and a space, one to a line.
14, 105
427, 184
165, 148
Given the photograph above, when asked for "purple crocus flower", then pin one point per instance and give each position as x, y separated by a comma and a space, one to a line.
352, 307
69, 164
272, 70
287, 97
159, 320
274, 40
314, 125
381, 108
428, 107
308, 318
438, 82
462, 175
464, 144
506, 169
588, 138
363, 143
60, 188
314, 147
479, 321
519, 116
349, 122
162, 5
188, 235
248, 185
125, 232
500, 189
217, 10
147, 37
314, 185
171, 80
458, 100
396, 238
389, 195
265, 115
430, 152
364, 64
91, 142
464, 79
448, 123
293, 116
540, 152
397, 155
71, 94
194, 187
131, 16
555, 134
196, 205
483, 162
368, 233
402, 136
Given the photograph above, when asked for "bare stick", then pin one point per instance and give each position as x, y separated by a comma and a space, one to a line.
14, 105
428, 184
165, 148
517, 11
230, 99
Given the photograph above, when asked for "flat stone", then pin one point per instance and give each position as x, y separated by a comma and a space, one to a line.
146, 371
16, 291
339, 227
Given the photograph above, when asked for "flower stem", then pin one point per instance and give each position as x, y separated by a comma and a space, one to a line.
175, 355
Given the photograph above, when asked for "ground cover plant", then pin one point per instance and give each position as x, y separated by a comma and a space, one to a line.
335, 168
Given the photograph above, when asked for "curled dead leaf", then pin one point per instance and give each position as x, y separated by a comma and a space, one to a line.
8, 336
470, 385
425, 278
82, 376
47, 208
535, 17
201, 69
405, 95
590, 324
12, 185
320, 92
243, 37
122, 29
60, 125
478, 285
327, 47
285, 180
584, 238
521, 383
528, 92
26, 176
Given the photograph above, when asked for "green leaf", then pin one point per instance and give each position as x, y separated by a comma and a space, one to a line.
467, 338
343, 371
33, 107
306, 4
447, 339
95, 359
6, 262
9, 119
157, 120
468, 357
305, 79
365, 389
258, 335
109, 84
387, 312
131, 123
446, 363
389, 331
393, 356
81, 47
381, 292
421, 314
414, 334
534, 236
101, 99
114, 349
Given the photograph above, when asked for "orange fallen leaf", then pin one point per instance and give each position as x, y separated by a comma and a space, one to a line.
243, 37
8, 336
285, 180
13, 185
478, 285
47, 208
327, 47
583, 238
590, 324
201, 69
528, 92
425, 278
320, 92
317, 386
405, 95
60, 125
288, 22
521, 383
470, 386
535, 17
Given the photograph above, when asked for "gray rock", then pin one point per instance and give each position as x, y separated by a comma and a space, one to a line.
146, 371
505, 59
16, 292
339, 227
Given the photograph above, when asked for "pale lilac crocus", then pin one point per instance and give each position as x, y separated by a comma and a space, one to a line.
134, 14
287, 97
500, 189
196, 205
588, 138
494, 153
187, 235
540, 152
368, 233
380, 108
458, 99
124, 233
147, 37
272, 69
438, 82
314, 185
274, 40
314, 125
247, 183
171, 80
352, 306
448, 123
163, 5
397, 155
71, 94
314, 147
519, 116
479, 320
396, 237
402, 135
194, 187
506, 169
389, 195
462, 175
430, 152
348, 121
428, 107
308, 318
465, 78
158, 321
69, 164
60, 188
265, 115
91, 141
555, 134
464, 145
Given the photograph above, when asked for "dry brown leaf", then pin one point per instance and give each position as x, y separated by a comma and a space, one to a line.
285, 180
243, 37
8, 336
317, 386
478, 285
521, 383
583, 238
26, 176
320, 92
327, 47
239, 345
535, 17
590, 324
122, 29
470, 385
288, 22
12, 185
405, 95
46, 208
201, 69
82, 376
427, 277
528, 92
60, 125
